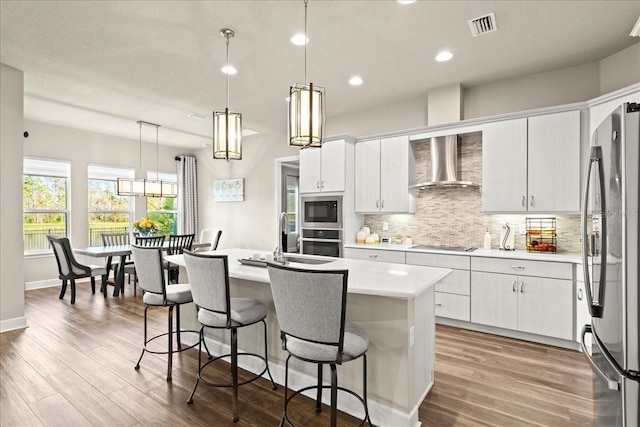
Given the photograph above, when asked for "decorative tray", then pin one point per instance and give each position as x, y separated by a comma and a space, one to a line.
253, 262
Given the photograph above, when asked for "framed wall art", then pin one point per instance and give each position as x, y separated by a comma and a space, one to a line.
228, 190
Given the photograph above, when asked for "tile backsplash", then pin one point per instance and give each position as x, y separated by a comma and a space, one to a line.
453, 216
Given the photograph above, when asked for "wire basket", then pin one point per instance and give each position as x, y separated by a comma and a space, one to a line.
541, 235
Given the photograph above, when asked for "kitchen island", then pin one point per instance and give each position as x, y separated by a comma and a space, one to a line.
393, 303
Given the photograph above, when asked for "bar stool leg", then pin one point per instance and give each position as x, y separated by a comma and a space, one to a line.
170, 337
178, 327
63, 289
144, 347
266, 356
334, 395
364, 390
286, 391
234, 373
195, 386
319, 395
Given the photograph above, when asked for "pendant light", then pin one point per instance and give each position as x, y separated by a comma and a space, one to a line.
306, 107
146, 187
227, 126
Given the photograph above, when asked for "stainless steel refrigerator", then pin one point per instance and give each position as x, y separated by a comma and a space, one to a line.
610, 257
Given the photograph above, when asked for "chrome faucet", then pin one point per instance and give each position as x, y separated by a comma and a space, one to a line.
283, 225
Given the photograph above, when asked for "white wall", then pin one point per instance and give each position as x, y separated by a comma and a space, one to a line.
11, 243
620, 70
564, 86
82, 148
251, 223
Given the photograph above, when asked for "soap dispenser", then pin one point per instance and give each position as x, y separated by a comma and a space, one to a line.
487, 240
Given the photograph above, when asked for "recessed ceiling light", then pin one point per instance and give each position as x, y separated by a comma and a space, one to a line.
229, 69
406, 1
444, 56
355, 81
299, 39
197, 116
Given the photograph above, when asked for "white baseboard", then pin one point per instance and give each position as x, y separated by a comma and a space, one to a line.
40, 284
13, 324
381, 414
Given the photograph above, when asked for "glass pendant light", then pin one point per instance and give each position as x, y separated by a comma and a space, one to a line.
145, 187
227, 126
306, 108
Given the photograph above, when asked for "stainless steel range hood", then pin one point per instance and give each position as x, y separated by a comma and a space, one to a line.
444, 164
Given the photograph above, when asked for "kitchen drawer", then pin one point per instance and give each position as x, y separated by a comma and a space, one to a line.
453, 306
456, 282
376, 255
557, 270
439, 260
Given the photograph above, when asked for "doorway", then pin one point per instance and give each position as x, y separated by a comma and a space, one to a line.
288, 202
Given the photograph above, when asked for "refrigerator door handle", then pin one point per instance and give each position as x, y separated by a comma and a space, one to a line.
612, 384
596, 308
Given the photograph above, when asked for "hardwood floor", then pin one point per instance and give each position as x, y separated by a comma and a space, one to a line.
73, 366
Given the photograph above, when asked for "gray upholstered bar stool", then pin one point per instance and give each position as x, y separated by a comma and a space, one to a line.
310, 306
150, 274
209, 279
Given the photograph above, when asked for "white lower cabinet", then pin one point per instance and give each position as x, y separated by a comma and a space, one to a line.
377, 255
583, 317
452, 292
537, 305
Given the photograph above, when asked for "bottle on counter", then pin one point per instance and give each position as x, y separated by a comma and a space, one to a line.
487, 240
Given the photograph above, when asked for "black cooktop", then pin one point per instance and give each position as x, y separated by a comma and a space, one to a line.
445, 248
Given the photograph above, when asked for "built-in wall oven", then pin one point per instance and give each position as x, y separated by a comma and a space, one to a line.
322, 242
321, 226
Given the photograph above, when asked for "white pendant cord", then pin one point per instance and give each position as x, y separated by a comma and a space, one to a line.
305, 41
227, 37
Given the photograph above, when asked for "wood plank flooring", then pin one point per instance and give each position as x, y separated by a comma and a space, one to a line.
73, 366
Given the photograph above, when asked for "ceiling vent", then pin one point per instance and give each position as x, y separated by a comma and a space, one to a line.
483, 25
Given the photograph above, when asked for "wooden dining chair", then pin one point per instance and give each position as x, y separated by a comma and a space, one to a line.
147, 242
69, 269
115, 239
178, 243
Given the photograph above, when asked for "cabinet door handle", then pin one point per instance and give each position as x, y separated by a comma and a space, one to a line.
579, 294
322, 184
522, 287
317, 184
518, 267
373, 256
438, 304
522, 200
382, 204
531, 202
377, 203
513, 288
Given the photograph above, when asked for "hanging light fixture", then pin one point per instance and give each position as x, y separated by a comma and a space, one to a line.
306, 108
227, 126
146, 187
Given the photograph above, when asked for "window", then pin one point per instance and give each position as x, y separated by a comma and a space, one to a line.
163, 210
292, 202
44, 202
108, 212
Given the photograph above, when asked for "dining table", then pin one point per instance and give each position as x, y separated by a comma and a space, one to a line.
123, 252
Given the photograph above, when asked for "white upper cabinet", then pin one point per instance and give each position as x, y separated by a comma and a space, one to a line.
532, 164
504, 166
323, 169
384, 171
554, 162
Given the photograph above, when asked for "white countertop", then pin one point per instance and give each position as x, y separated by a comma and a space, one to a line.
365, 277
492, 253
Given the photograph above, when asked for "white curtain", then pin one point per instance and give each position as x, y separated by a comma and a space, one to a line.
187, 195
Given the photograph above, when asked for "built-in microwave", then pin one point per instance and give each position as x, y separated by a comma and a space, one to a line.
322, 212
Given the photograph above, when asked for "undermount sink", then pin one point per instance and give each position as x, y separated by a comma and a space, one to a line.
302, 260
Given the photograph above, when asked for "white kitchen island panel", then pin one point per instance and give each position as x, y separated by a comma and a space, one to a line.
393, 303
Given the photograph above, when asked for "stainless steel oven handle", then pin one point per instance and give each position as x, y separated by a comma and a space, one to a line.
612, 384
309, 239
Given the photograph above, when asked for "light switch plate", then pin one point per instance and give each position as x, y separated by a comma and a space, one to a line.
385, 226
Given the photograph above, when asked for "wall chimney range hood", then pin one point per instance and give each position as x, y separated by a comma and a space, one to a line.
444, 164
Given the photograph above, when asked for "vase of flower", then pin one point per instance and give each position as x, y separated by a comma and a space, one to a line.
145, 227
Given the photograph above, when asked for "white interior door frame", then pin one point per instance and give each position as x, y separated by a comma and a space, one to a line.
279, 162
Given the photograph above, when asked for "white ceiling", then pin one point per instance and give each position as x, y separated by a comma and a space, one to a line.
102, 65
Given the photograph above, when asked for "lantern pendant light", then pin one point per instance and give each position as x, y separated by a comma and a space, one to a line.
227, 126
306, 108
